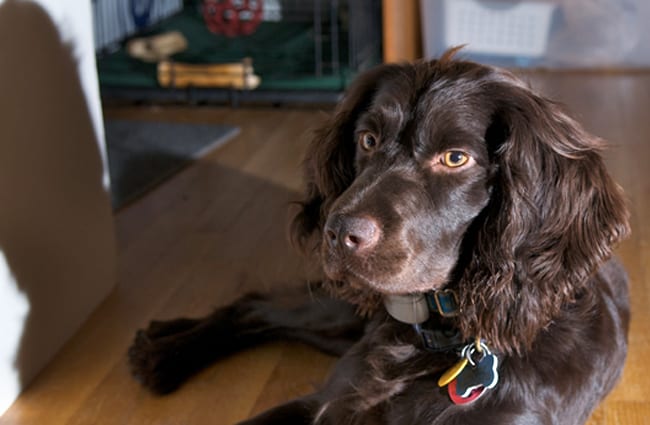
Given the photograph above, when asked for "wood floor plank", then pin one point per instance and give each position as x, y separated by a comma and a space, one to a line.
627, 413
300, 371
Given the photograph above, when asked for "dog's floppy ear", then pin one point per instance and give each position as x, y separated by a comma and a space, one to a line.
329, 162
554, 216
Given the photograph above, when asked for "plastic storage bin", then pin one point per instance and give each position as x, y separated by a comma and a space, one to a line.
510, 29
547, 33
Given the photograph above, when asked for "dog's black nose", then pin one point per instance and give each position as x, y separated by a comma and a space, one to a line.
353, 234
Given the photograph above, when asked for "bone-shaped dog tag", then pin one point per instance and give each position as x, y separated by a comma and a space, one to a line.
483, 374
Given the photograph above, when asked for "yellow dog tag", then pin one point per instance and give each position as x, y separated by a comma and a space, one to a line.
452, 372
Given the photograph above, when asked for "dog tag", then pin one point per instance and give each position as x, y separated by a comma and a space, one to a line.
474, 395
452, 372
482, 374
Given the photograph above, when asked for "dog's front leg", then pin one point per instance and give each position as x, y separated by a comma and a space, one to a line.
167, 353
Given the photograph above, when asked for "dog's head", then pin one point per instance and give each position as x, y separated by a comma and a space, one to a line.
453, 174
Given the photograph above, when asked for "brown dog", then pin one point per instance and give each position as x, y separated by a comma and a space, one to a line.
471, 221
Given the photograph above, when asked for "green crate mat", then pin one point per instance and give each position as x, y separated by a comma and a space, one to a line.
282, 52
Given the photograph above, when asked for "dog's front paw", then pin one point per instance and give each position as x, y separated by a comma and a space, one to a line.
166, 353
158, 354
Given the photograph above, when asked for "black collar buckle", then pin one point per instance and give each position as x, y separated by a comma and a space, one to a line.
441, 340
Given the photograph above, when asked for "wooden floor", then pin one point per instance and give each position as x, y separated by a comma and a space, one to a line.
217, 229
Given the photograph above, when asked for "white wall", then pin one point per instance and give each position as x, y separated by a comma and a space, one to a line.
74, 21
57, 248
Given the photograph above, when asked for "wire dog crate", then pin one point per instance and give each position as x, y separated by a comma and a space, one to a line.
305, 51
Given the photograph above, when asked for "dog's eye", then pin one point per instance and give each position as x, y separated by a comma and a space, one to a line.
367, 141
454, 159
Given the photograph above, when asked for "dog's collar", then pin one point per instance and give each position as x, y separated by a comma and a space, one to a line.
464, 384
416, 309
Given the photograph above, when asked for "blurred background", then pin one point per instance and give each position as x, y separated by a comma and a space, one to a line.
305, 50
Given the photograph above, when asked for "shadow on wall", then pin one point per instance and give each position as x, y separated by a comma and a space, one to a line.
56, 228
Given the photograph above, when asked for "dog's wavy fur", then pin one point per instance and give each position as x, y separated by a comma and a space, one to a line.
531, 257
